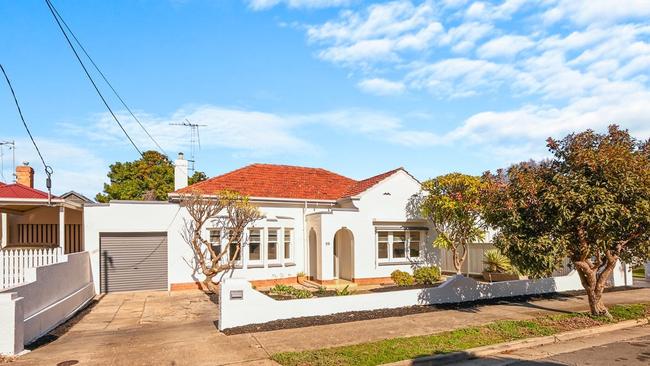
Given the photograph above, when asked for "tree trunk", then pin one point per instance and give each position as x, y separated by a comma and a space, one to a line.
209, 285
594, 284
458, 259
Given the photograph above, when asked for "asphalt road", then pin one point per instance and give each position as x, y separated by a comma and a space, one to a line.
633, 352
623, 347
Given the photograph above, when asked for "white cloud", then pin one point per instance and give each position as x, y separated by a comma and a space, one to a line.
460, 77
584, 12
505, 46
267, 4
378, 34
75, 167
464, 37
381, 86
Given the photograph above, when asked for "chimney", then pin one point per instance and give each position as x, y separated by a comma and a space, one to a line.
180, 172
25, 175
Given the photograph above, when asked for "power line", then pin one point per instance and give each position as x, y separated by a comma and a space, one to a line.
48, 169
83, 49
51, 7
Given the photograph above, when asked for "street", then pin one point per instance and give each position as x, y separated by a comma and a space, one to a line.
626, 347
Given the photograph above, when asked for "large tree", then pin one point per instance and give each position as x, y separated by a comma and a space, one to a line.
149, 178
229, 213
452, 204
590, 203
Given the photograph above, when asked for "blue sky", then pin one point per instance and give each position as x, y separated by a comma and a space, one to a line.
352, 86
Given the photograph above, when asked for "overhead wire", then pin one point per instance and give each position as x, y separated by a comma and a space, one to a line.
48, 169
92, 81
83, 49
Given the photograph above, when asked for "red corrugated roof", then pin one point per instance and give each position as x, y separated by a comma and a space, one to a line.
17, 190
285, 181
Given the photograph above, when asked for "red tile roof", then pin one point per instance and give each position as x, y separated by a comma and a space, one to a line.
364, 185
17, 190
284, 181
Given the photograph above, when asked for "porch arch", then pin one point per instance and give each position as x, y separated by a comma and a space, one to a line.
344, 254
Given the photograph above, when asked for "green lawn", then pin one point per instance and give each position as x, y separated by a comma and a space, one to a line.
639, 272
392, 350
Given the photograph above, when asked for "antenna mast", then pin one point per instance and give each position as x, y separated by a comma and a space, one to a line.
12, 146
195, 140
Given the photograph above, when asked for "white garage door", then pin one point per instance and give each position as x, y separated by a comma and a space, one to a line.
133, 261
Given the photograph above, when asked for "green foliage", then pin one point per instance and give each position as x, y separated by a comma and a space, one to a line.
495, 261
592, 200
426, 275
401, 278
300, 274
149, 178
345, 291
452, 203
322, 290
287, 290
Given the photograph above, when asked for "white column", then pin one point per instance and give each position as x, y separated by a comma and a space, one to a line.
11, 321
5, 229
62, 227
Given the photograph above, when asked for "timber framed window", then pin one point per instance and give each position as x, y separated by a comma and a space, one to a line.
398, 246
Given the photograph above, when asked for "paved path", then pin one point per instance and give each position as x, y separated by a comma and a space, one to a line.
158, 328
625, 347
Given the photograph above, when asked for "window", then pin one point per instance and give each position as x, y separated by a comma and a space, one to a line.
399, 244
233, 247
287, 240
414, 244
215, 240
272, 245
254, 245
382, 244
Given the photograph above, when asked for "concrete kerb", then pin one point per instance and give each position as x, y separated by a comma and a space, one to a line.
495, 349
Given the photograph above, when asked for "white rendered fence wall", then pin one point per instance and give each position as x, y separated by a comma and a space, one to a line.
14, 262
241, 305
50, 295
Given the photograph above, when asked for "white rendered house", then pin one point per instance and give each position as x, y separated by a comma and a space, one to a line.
314, 221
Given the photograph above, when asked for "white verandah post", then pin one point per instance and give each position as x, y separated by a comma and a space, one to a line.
62, 227
5, 229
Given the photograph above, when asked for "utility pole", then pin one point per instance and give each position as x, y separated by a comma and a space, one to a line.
195, 140
11, 146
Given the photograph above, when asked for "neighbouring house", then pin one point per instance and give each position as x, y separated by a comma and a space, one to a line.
326, 225
32, 219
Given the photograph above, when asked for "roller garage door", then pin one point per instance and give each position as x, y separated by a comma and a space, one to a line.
133, 261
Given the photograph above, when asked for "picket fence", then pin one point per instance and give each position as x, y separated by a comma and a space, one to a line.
13, 263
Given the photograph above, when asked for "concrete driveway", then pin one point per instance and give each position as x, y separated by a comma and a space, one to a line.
149, 328
160, 328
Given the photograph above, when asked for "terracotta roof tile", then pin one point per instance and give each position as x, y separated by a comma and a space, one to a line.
285, 181
364, 185
17, 190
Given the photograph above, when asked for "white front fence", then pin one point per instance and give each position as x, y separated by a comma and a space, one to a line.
50, 295
14, 262
241, 305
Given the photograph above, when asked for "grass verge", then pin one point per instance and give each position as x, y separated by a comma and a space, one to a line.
638, 272
397, 349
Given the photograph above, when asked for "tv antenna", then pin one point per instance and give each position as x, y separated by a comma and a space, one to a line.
11, 146
195, 139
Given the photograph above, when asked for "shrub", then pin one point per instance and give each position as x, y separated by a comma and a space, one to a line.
426, 275
495, 261
401, 278
344, 291
281, 289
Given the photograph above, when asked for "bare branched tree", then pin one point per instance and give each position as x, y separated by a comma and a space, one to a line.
233, 213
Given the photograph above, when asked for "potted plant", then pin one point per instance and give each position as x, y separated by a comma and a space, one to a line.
499, 268
302, 277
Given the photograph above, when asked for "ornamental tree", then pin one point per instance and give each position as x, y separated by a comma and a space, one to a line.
231, 213
452, 205
590, 203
